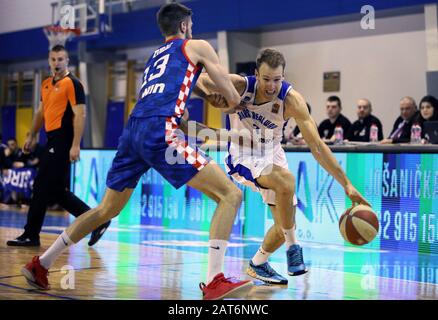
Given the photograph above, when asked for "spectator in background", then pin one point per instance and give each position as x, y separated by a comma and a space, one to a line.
335, 118
360, 129
401, 131
14, 159
428, 112
14, 155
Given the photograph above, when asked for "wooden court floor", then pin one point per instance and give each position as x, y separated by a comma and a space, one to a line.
156, 264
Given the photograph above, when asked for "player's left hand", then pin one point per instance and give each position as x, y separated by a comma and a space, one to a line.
355, 195
74, 153
217, 100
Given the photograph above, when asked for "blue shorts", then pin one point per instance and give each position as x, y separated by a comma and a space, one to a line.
154, 142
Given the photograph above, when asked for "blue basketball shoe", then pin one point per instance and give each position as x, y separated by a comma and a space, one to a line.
295, 262
265, 273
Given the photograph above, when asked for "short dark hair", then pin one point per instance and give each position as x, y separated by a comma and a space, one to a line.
272, 58
170, 16
59, 48
335, 99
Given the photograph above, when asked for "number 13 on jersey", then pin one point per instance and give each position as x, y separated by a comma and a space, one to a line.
158, 69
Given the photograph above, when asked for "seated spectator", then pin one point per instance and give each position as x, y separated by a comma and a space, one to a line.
360, 129
428, 112
293, 136
14, 155
401, 131
327, 127
14, 159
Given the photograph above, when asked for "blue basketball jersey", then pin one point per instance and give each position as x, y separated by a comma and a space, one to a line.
168, 80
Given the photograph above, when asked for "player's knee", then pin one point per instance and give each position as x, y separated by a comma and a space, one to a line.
238, 195
234, 196
285, 184
279, 230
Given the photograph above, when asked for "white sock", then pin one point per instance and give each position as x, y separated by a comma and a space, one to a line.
289, 236
216, 257
55, 250
260, 257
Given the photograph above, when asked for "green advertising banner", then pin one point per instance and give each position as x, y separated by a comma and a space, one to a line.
402, 188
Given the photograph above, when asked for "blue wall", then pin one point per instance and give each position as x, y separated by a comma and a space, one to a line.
138, 27
115, 114
8, 126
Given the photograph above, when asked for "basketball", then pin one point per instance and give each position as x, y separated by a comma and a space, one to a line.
359, 225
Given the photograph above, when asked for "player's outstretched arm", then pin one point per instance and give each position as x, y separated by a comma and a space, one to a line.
204, 86
208, 86
200, 51
207, 89
295, 107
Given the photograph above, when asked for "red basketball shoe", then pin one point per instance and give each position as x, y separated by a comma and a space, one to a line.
36, 274
221, 287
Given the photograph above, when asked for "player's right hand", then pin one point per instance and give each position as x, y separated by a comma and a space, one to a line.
355, 195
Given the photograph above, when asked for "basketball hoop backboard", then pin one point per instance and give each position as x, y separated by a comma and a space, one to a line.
91, 17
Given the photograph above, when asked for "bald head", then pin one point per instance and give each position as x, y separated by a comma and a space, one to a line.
408, 107
363, 108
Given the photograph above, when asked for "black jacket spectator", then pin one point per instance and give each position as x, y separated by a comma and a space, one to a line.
15, 155
405, 135
360, 129
326, 128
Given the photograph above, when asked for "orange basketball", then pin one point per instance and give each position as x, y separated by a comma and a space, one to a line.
359, 225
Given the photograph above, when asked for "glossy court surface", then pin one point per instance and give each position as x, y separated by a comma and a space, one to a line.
141, 262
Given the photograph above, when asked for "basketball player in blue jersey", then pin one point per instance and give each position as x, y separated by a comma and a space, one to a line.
150, 140
269, 102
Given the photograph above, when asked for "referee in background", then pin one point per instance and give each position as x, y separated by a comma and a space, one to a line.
62, 110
